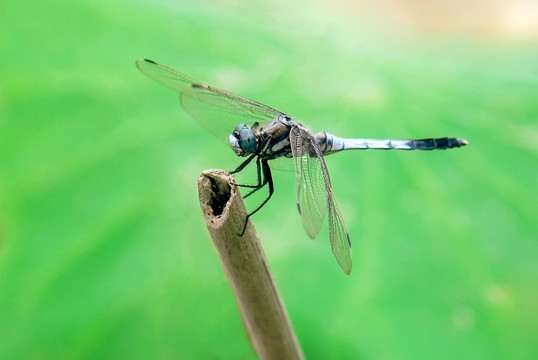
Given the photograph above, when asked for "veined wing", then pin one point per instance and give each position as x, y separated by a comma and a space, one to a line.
219, 111
315, 196
310, 187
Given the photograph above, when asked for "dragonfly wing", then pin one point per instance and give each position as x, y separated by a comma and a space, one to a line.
340, 242
219, 111
167, 76
282, 164
310, 188
315, 196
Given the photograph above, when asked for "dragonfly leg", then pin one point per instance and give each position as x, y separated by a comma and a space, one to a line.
261, 183
255, 187
243, 164
268, 179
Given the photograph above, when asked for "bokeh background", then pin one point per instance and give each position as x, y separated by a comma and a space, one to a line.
103, 248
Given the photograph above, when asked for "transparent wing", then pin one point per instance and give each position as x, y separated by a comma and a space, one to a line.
315, 196
310, 189
340, 242
282, 164
218, 111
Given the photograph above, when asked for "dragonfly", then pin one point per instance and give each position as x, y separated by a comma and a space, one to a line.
262, 134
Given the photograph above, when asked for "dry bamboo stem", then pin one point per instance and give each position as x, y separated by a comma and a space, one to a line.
242, 257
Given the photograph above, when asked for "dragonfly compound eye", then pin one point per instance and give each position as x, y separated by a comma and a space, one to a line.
235, 145
247, 140
242, 140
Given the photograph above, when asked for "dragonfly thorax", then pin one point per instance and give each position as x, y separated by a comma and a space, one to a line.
243, 140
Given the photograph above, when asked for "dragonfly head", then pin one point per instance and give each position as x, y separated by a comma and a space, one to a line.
243, 140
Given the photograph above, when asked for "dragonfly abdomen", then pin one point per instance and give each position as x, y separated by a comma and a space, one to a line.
330, 143
437, 143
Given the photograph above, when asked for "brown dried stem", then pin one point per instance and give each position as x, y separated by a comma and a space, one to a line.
242, 257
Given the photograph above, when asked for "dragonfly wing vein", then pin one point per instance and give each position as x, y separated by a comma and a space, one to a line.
310, 187
218, 111
315, 196
340, 242
167, 76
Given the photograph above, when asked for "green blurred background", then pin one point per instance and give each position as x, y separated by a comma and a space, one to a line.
103, 248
